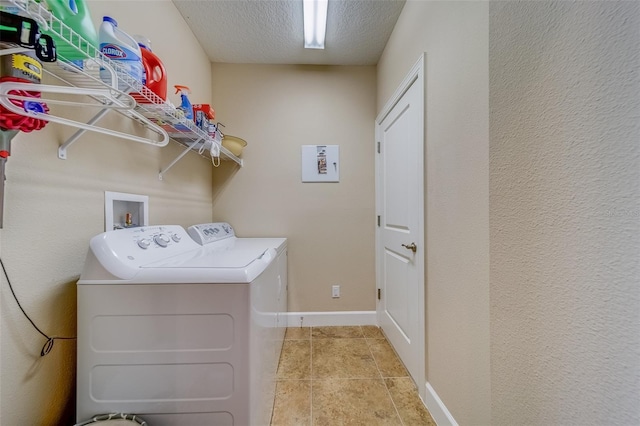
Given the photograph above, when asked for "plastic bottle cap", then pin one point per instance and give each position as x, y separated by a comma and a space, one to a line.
33, 106
110, 19
142, 41
73, 7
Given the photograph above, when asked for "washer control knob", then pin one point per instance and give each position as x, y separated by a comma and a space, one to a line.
144, 243
162, 240
176, 238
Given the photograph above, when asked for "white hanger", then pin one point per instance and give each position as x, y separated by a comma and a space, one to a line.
103, 98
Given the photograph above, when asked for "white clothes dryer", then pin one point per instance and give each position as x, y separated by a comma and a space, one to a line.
181, 330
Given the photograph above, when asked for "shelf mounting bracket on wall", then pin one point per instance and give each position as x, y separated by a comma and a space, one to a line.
179, 157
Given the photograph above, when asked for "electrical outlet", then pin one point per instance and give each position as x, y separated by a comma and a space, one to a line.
335, 291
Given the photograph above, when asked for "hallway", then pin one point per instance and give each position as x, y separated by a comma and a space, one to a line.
344, 376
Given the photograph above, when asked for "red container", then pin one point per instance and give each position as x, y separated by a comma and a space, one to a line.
209, 112
202, 115
156, 76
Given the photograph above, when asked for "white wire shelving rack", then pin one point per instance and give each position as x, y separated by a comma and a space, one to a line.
136, 101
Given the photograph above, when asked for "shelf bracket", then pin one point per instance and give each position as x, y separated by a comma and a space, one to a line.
179, 157
62, 149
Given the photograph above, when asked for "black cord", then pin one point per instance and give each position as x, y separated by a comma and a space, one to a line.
48, 346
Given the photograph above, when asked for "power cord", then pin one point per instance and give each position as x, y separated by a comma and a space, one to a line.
48, 346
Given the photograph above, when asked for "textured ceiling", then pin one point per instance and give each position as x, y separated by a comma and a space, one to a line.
271, 31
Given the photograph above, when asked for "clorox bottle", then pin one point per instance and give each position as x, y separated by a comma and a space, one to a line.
120, 47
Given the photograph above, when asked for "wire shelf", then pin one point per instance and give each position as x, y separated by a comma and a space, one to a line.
148, 109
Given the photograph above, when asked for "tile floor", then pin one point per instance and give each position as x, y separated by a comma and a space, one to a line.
344, 376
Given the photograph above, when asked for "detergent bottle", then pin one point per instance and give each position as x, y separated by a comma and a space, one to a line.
185, 105
121, 48
154, 75
74, 14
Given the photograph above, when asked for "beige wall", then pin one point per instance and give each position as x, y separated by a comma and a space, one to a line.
560, 206
330, 226
53, 207
565, 210
454, 36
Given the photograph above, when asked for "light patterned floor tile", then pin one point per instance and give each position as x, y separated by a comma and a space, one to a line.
298, 333
292, 405
352, 402
295, 360
342, 358
405, 397
332, 376
386, 359
372, 332
348, 332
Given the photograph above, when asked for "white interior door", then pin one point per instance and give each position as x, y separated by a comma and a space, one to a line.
400, 237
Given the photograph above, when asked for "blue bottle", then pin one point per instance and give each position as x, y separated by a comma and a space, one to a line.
123, 49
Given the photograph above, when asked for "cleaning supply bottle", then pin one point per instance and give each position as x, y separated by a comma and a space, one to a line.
74, 14
154, 75
185, 105
121, 48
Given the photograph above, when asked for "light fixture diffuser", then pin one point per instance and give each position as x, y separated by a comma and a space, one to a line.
315, 23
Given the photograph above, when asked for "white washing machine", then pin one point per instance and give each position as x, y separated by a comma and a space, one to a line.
181, 330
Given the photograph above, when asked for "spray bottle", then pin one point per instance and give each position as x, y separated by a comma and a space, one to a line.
185, 105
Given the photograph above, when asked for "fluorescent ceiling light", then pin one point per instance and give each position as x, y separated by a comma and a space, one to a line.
315, 23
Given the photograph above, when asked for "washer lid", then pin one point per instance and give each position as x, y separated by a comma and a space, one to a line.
211, 258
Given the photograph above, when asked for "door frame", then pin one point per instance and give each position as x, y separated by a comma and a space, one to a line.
415, 76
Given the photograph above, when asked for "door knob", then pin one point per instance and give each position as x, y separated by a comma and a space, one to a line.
411, 247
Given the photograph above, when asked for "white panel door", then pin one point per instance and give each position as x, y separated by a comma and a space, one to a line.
400, 237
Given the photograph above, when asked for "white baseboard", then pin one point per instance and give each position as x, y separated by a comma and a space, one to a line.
318, 319
438, 410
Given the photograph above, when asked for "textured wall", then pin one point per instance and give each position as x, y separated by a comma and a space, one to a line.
330, 226
565, 212
53, 207
454, 35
